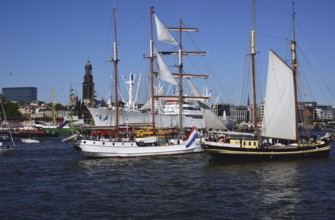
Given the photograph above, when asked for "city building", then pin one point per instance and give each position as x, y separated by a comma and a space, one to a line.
20, 94
220, 109
324, 113
88, 85
239, 113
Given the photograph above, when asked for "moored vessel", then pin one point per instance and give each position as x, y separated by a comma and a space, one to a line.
279, 137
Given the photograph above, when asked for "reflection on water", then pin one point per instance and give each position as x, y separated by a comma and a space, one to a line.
279, 188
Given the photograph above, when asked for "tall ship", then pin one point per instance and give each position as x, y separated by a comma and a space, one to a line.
120, 146
194, 109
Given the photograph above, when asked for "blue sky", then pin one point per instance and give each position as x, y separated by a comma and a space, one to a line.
46, 43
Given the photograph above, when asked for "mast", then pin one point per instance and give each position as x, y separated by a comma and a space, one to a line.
5, 118
294, 71
115, 62
180, 73
152, 72
163, 35
131, 84
180, 68
137, 89
72, 104
53, 106
253, 54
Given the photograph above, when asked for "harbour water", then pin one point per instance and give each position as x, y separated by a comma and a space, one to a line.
50, 180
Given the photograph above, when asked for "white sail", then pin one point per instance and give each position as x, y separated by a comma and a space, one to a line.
194, 89
224, 117
162, 33
164, 72
279, 110
212, 120
159, 90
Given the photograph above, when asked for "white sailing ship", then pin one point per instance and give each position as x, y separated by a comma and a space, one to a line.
149, 146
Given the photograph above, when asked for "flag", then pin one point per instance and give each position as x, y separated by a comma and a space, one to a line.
62, 124
163, 34
191, 137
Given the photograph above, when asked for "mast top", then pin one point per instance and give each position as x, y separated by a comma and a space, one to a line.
293, 20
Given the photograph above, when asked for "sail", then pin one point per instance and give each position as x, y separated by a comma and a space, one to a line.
224, 117
279, 110
212, 120
159, 90
162, 33
163, 71
194, 89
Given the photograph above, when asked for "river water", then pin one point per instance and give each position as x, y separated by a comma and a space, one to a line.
50, 180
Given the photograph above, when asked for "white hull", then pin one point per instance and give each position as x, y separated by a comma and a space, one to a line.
93, 148
5, 150
106, 117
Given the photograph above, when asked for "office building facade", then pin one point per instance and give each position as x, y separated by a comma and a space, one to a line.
20, 94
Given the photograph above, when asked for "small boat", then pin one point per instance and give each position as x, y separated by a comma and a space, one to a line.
72, 138
29, 131
7, 144
280, 138
6, 149
30, 140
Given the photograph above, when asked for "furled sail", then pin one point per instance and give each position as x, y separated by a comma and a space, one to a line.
279, 110
163, 71
163, 34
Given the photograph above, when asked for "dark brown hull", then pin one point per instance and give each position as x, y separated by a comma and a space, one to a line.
229, 154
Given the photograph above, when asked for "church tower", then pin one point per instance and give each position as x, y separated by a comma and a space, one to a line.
88, 85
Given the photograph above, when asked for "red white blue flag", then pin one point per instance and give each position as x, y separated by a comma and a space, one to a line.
191, 137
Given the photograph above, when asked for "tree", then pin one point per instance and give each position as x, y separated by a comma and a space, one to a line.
11, 110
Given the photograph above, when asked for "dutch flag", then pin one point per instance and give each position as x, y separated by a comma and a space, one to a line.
62, 123
191, 137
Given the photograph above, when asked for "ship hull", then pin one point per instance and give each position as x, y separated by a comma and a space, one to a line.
230, 154
101, 149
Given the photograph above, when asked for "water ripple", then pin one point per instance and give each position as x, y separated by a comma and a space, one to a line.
52, 181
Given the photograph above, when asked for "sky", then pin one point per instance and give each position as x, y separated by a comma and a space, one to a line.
46, 43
